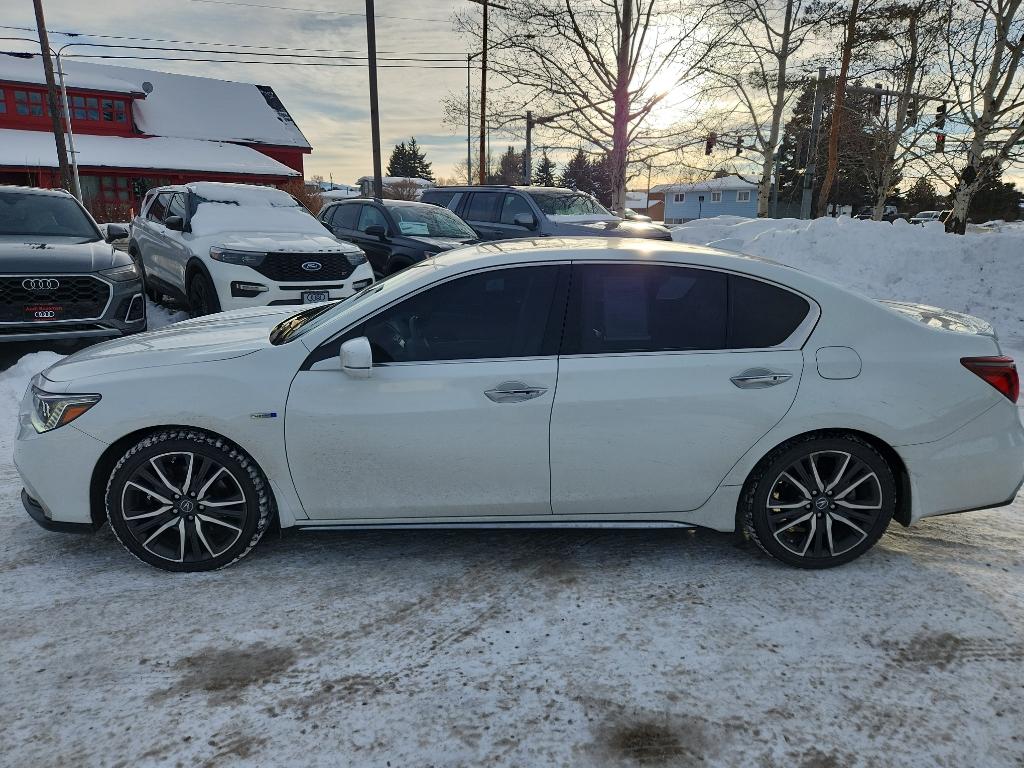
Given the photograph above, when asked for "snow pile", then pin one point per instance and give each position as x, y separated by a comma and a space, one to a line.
979, 274
15, 379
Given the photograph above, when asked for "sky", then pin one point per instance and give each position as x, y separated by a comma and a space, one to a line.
330, 104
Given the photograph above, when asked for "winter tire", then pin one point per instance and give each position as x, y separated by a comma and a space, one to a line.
819, 502
202, 296
184, 500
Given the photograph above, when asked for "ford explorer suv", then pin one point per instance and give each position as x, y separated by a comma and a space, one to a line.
59, 277
230, 246
503, 213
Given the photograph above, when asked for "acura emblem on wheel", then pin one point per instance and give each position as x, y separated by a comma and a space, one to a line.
40, 284
312, 266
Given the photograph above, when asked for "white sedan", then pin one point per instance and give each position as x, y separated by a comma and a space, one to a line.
572, 382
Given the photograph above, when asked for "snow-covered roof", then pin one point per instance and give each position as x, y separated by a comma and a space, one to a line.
636, 200
391, 180
708, 185
181, 106
340, 194
34, 149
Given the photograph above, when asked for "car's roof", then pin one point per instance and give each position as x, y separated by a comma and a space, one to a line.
34, 190
492, 187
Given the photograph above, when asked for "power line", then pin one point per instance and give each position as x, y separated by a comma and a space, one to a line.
321, 11
262, 63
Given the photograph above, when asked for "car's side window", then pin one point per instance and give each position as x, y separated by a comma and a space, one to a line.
177, 206
482, 206
662, 308
158, 209
495, 314
370, 217
346, 216
514, 205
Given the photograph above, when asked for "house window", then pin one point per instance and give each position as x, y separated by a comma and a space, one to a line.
716, 197
678, 197
3, 102
99, 110
743, 196
115, 189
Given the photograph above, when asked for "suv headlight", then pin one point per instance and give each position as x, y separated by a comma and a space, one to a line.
245, 258
355, 258
50, 411
123, 273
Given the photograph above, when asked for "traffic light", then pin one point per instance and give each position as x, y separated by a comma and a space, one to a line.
912, 112
940, 116
876, 100
739, 146
710, 143
940, 142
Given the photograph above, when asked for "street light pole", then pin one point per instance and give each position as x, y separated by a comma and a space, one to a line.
483, 98
67, 123
51, 96
469, 120
371, 53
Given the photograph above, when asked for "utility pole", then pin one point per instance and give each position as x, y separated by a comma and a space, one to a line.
51, 97
810, 167
528, 152
469, 121
371, 52
483, 99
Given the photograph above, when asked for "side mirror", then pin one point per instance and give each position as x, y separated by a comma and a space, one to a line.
376, 230
357, 358
525, 220
116, 232
175, 222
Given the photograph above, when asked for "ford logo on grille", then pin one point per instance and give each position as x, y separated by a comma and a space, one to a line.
312, 266
40, 284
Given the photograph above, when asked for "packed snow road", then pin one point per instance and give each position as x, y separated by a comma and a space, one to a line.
464, 648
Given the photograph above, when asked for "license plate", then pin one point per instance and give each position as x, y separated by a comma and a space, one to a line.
43, 312
314, 297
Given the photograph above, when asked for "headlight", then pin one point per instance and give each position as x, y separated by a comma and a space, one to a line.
121, 274
245, 258
50, 411
355, 258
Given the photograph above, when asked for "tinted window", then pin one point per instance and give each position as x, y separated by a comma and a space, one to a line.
345, 216
761, 314
177, 206
482, 206
158, 209
496, 314
568, 203
645, 308
439, 197
512, 207
369, 217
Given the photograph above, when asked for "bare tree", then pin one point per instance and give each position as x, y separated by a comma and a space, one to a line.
985, 44
597, 69
751, 73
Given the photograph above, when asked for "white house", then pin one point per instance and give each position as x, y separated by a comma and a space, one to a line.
728, 195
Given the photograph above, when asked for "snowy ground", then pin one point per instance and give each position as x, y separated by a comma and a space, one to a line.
520, 649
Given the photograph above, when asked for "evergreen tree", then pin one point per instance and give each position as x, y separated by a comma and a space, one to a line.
409, 161
578, 173
419, 162
544, 175
922, 196
995, 198
399, 164
510, 168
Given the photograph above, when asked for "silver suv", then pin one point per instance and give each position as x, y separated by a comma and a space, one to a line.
503, 213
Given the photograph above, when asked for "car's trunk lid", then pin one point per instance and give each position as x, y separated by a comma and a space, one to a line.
946, 319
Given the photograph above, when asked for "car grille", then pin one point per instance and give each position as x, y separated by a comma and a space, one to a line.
82, 297
287, 267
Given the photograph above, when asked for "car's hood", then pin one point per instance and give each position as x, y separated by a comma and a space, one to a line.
283, 242
54, 257
441, 243
204, 339
613, 228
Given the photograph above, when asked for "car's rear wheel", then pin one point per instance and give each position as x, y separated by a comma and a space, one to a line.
202, 296
818, 502
184, 500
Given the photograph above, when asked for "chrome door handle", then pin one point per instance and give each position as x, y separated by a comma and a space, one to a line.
759, 378
514, 392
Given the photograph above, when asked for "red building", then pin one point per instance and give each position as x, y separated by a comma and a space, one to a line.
136, 129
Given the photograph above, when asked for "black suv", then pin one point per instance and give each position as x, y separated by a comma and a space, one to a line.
59, 277
396, 233
503, 213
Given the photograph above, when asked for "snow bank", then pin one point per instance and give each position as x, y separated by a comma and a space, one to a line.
980, 274
15, 379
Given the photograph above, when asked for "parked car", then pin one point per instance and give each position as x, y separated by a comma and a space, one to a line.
59, 278
924, 216
632, 215
890, 214
396, 233
579, 382
228, 246
501, 213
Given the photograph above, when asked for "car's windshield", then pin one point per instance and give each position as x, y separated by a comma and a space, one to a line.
568, 203
429, 221
26, 214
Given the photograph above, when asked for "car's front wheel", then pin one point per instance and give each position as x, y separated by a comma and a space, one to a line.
819, 501
202, 296
185, 500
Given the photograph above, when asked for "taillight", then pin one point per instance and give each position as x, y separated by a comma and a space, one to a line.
1000, 372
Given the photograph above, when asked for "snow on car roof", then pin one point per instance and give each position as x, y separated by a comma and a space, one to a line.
180, 106
242, 194
32, 149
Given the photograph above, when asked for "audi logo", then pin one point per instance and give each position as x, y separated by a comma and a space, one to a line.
44, 314
40, 284
312, 266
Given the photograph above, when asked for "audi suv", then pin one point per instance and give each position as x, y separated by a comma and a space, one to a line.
59, 277
222, 246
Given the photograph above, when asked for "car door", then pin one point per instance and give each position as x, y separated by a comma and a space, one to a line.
377, 251
514, 206
453, 420
176, 251
480, 211
149, 238
669, 374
